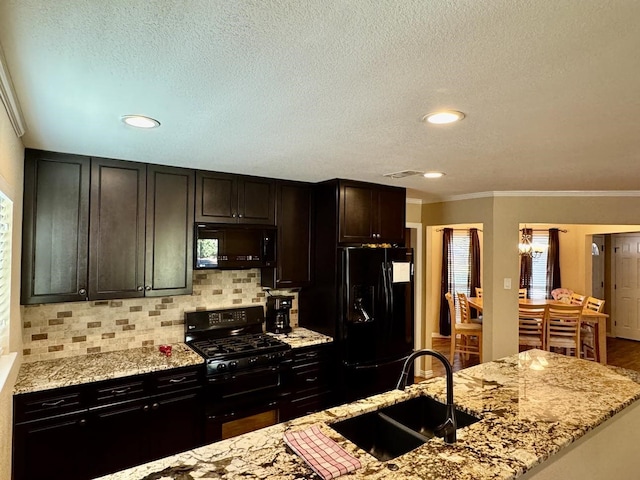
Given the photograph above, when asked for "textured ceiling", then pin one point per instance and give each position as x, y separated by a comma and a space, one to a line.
312, 90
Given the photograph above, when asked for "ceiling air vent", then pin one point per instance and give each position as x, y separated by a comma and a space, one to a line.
403, 173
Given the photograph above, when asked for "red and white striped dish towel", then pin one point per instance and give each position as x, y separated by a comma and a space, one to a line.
323, 455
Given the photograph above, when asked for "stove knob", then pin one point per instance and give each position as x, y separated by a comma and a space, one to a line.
253, 360
233, 365
222, 367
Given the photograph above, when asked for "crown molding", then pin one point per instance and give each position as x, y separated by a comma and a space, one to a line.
570, 193
538, 193
415, 200
9, 98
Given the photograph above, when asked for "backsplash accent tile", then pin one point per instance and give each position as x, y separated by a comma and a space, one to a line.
68, 329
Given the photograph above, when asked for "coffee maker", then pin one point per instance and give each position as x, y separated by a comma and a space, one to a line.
277, 317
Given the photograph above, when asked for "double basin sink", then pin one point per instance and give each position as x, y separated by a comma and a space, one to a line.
395, 430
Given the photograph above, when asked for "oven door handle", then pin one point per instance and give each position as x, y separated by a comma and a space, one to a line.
230, 378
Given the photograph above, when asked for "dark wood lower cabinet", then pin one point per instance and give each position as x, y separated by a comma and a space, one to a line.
53, 448
77, 433
131, 433
311, 385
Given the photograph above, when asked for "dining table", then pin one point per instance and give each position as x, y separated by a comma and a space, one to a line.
588, 316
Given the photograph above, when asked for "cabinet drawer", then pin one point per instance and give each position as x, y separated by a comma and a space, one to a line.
118, 391
312, 376
309, 404
35, 406
313, 355
171, 382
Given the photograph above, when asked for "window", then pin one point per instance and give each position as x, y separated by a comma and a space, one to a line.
461, 262
6, 209
539, 288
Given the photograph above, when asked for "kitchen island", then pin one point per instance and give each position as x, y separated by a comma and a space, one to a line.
538, 411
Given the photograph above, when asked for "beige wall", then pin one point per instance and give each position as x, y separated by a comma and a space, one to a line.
501, 217
11, 179
414, 211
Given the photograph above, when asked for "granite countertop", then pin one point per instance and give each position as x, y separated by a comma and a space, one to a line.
531, 406
301, 337
68, 371
64, 372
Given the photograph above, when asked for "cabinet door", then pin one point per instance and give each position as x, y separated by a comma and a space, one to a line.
357, 210
295, 241
56, 228
177, 423
256, 201
117, 229
169, 231
216, 197
391, 210
54, 448
119, 436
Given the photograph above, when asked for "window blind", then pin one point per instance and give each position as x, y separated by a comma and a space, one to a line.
6, 208
539, 266
461, 262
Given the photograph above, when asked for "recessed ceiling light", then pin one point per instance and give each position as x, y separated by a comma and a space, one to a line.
140, 121
433, 174
447, 116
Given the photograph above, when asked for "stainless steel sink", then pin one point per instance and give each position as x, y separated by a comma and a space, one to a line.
393, 431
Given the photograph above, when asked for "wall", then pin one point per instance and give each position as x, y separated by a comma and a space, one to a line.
11, 180
501, 216
66, 329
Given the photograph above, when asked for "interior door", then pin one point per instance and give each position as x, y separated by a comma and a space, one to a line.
627, 286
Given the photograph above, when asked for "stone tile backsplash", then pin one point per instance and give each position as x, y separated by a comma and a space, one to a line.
66, 329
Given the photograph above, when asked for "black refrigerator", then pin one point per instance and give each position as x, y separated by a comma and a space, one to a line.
372, 321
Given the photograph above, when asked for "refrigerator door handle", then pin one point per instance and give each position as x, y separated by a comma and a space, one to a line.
385, 285
389, 282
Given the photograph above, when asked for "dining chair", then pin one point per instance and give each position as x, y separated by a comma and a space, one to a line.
563, 328
522, 293
478, 292
531, 325
589, 331
468, 332
466, 310
577, 299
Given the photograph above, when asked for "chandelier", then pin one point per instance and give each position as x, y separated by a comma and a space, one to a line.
526, 247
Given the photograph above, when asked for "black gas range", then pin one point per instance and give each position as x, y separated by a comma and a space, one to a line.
231, 340
247, 370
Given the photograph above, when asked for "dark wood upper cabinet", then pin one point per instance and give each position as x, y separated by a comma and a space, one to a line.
229, 198
371, 213
117, 229
55, 227
294, 218
169, 231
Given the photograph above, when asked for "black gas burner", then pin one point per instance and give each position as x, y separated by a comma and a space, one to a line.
229, 347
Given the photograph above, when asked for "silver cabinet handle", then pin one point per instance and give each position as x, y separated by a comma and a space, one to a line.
139, 288
147, 288
120, 391
82, 291
177, 380
53, 404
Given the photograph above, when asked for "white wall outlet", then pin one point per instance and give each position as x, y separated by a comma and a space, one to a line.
507, 284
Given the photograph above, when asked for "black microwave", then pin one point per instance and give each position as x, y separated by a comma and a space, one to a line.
232, 246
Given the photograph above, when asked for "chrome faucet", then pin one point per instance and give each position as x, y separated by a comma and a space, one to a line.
446, 430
